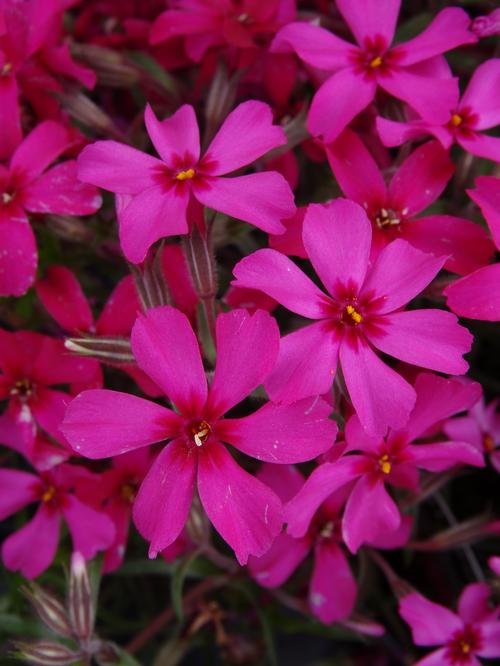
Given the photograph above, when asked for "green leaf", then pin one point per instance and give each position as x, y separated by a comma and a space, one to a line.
177, 583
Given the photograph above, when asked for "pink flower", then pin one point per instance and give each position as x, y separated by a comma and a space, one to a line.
158, 191
473, 632
477, 296
393, 209
357, 71
32, 548
362, 310
244, 511
478, 109
27, 186
480, 427
371, 514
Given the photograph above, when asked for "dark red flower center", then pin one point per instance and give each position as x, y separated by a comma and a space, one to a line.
374, 57
22, 389
350, 315
199, 432
128, 492
462, 121
488, 442
464, 644
386, 218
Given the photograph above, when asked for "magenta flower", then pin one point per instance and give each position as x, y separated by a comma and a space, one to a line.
393, 209
472, 632
362, 311
32, 548
243, 510
477, 296
480, 427
370, 513
158, 191
477, 110
26, 186
357, 71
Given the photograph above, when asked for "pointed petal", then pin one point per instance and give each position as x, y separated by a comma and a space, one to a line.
162, 505
332, 591
63, 298
262, 199
120, 311
473, 604
32, 548
117, 167
48, 408
245, 512
278, 277
41, 147
420, 179
173, 23
431, 624
481, 145
290, 242
476, 296
399, 274
482, 94
174, 137
166, 348
358, 439
464, 429
439, 398
490, 633
91, 530
394, 133
306, 364
370, 511
277, 565
102, 423
356, 170
324, 481
439, 456
18, 257
153, 214
246, 134
337, 102
285, 480
247, 349
10, 128
18, 490
438, 658
283, 433
449, 29
380, 396
487, 197
367, 18
314, 45
337, 237
429, 338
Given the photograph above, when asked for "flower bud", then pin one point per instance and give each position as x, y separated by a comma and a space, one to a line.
47, 653
111, 67
485, 26
49, 609
80, 603
110, 349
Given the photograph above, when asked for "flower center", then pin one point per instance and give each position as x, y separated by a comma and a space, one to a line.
385, 464
386, 217
456, 120
48, 494
326, 531
463, 644
23, 388
351, 316
376, 62
488, 442
185, 175
128, 492
201, 432
6, 69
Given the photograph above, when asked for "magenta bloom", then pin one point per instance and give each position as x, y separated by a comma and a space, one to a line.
26, 186
361, 311
477, 110
158, 191
357, 71
472, 632
32, 548
371, 514
244, 511
393, 209
480, 427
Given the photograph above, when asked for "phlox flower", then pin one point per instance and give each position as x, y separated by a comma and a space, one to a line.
361, 311
477, 110
158, 191
243, 510
480, 427
472, 632
26, 186
32, 548
408, 71
370, 513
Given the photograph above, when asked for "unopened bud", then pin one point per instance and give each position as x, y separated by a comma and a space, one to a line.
485, 26
150, 282
80, 603
364, 625
82, 109
459, 535
201, 261
49, 609
296, 132
220, 100
69, 228
103, 348
47, 653
111, 67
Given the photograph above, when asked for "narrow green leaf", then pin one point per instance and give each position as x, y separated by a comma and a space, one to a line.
177, 583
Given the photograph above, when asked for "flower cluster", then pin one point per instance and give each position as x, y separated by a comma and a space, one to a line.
292, 376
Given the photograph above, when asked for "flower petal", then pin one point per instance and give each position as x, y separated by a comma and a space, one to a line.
245, 512
473, 605
41, 147
277, 565
120, 311
175, 137
481, 145
162, 504
314, 45
482, 94
431, 624
487, 197
63, 298
18, 490
476, 296
102, 423
367, 18
245, 135
166, 348
332, 590
18, 256
11, 133
440, 456
91, 530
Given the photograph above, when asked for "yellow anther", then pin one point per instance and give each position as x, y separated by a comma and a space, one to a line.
488, 442
185, 175
465, 647
376, 62
6, 69
456, 120
48, 494
384, 464
6, 198
354, 314
128, 492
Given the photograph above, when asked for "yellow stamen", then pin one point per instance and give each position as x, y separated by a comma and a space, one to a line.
48, 494
128, 492
465, 647
376, 62
185, 175
6, 69
384, 464
200, 435
354, 314
456, 120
